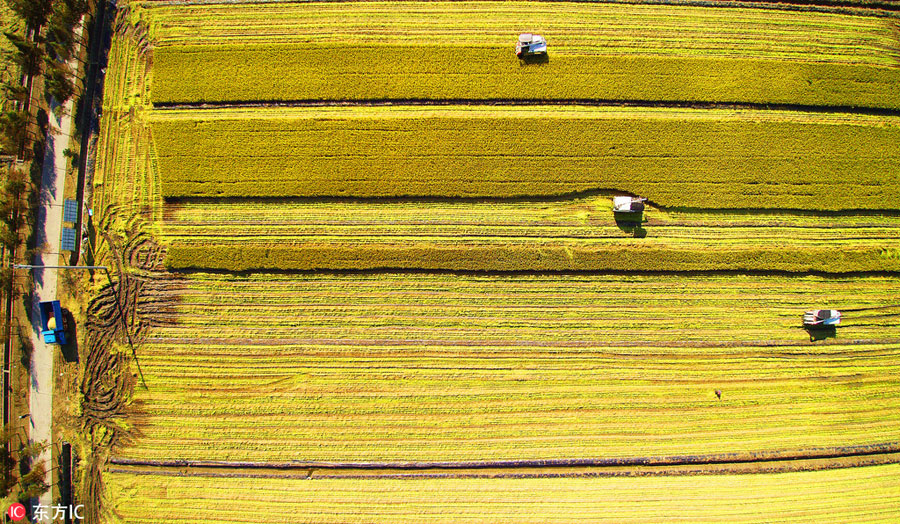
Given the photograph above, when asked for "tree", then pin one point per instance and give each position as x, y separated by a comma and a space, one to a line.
59, 44
60, 41
13, 129
33, 12
32, 483
27, 54
15, 92
57, 82
79, 7
12, 202
7, 461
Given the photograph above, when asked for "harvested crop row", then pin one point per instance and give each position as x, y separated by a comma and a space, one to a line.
866, 494
241, 235
587, 219
360, 51
447, 367
125, 178
703, 159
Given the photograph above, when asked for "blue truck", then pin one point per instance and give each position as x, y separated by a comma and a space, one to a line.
53, 326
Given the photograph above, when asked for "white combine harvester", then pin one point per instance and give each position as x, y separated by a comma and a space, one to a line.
627, 204
821, 318
530, 45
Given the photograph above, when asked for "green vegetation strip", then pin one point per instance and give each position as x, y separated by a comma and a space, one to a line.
866, 494
418, 367
464, 50
683, 158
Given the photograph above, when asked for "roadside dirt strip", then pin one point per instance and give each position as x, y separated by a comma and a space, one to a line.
48, 227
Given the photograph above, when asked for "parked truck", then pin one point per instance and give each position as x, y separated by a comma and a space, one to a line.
53, 327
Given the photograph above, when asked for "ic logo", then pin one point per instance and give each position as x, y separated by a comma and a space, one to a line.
16, 512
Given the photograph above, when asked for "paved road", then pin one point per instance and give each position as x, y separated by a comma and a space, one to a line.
49, 224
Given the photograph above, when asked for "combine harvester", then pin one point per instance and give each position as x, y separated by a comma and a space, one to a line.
627, 204
53, 327
530, 45
821, 318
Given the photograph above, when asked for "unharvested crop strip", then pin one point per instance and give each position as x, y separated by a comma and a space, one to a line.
349, 73
325, 51
846, 7
676, 157
586, 26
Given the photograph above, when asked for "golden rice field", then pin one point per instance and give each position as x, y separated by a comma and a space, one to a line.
570, 233
866, 494
419, 367
461, 50
680, 158
396, 285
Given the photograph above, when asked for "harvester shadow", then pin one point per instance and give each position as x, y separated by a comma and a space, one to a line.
821, 332
534, 59
632, 224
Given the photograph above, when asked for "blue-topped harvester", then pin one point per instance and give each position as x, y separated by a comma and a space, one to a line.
53, 326
530, 45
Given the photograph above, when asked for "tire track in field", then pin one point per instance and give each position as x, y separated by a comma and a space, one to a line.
514, 343
161, 107
718, 464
